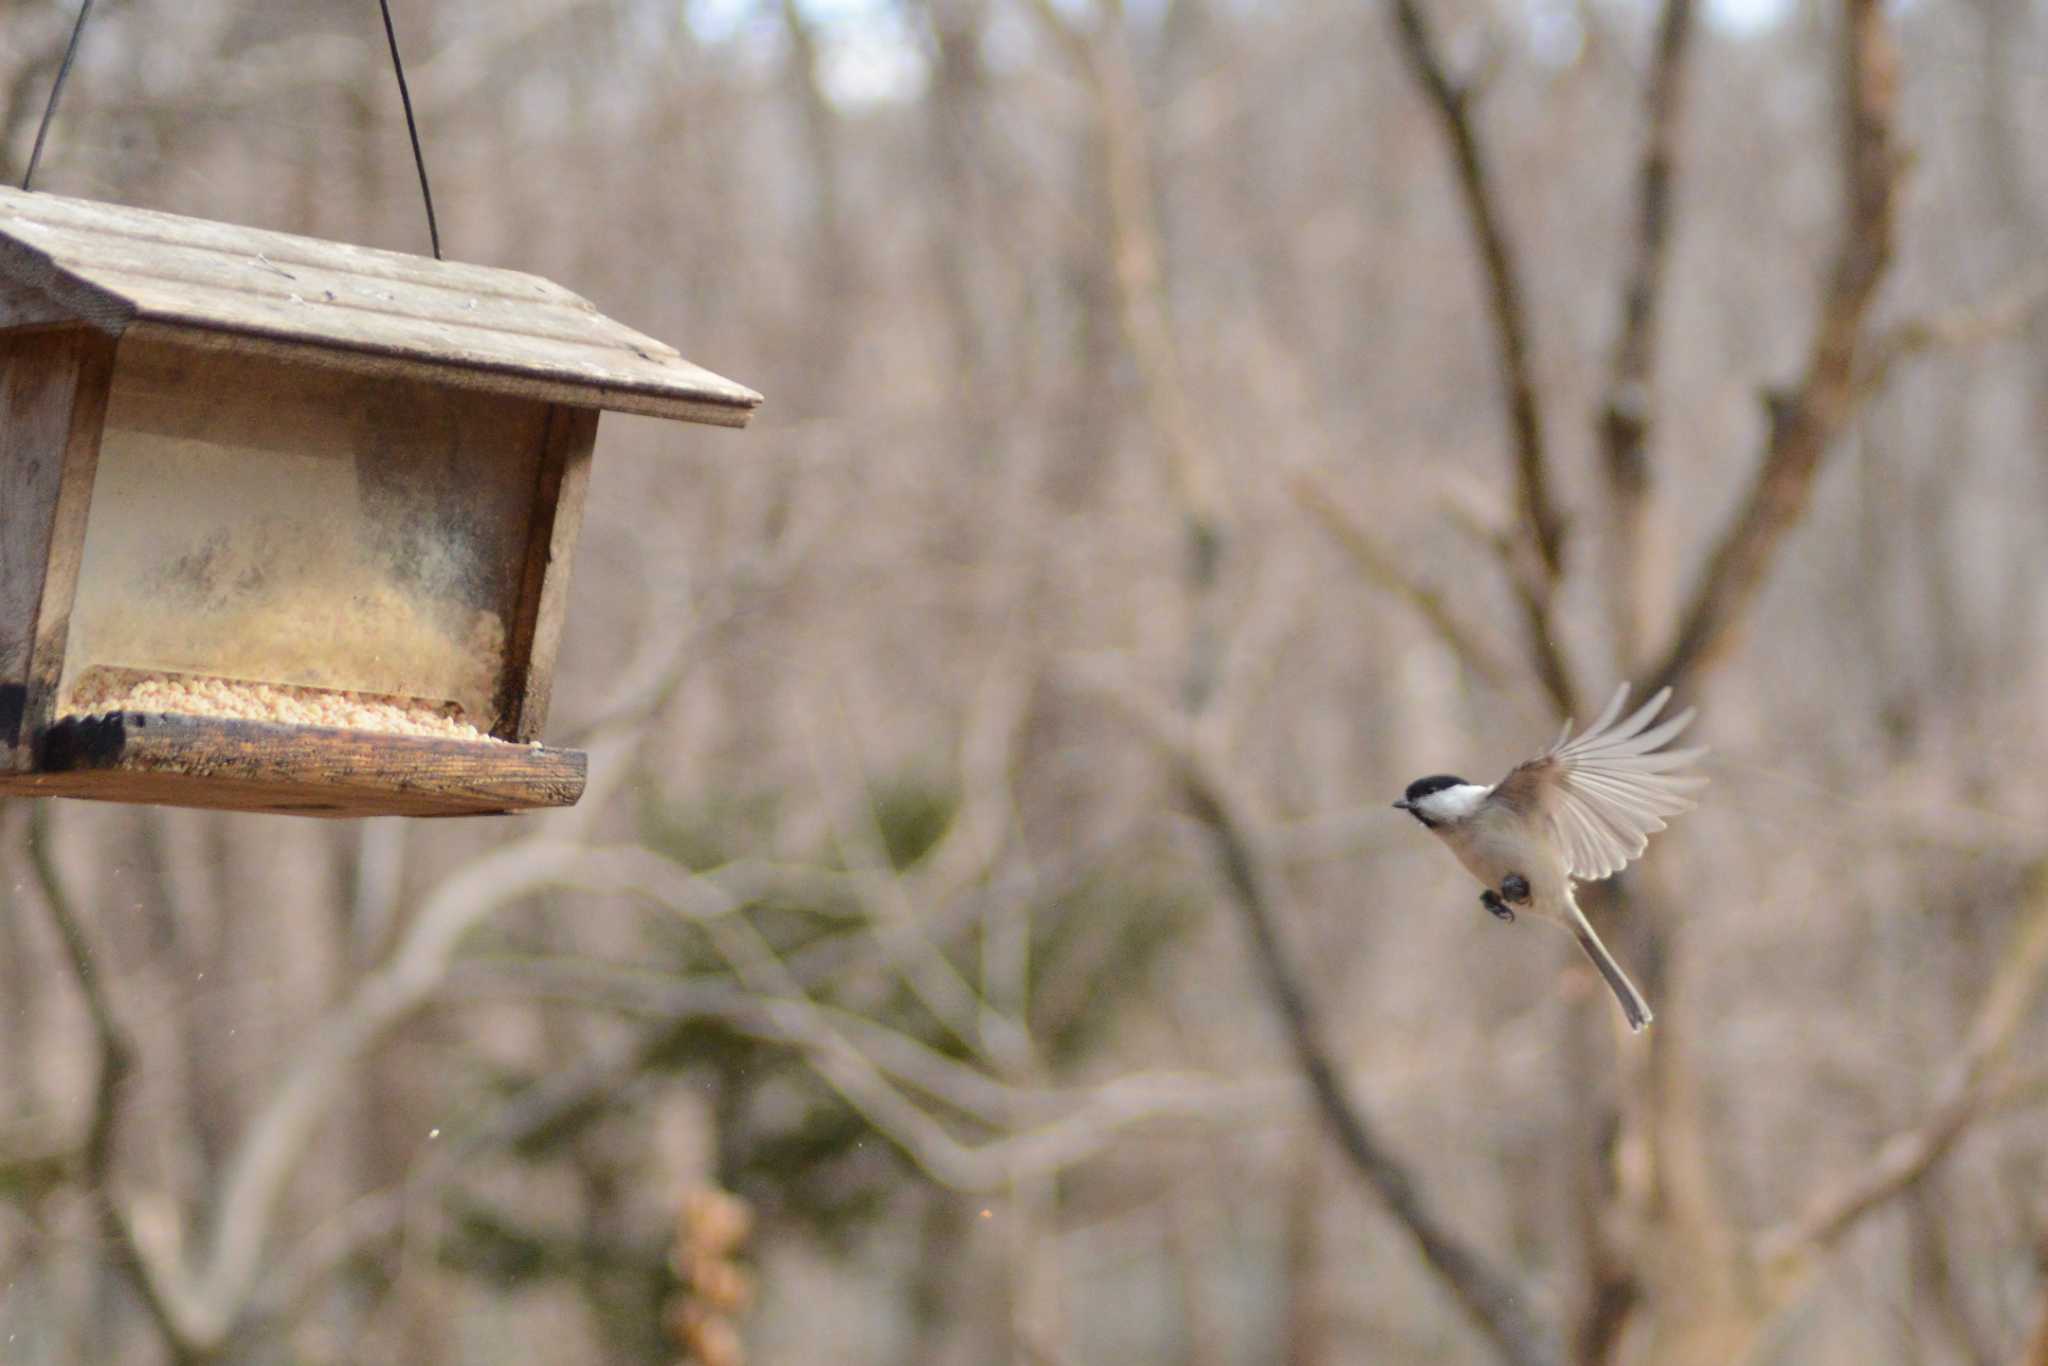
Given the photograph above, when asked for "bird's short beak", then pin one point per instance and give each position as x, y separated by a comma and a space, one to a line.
1401, 805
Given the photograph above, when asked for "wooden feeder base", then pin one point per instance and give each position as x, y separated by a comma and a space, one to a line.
238, 765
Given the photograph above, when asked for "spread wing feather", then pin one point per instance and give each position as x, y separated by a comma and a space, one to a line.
1606, 792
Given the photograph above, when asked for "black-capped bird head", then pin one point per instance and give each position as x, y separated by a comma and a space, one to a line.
1438, 798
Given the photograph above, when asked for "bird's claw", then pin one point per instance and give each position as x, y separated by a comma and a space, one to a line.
1514, 887
1491, 900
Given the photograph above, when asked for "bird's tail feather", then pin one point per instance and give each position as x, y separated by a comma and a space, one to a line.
1633, 1007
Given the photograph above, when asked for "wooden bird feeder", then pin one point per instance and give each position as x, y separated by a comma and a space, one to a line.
286, 525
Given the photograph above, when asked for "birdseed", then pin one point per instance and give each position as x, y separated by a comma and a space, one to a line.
103, 690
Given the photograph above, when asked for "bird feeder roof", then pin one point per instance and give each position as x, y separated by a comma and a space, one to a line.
75, 261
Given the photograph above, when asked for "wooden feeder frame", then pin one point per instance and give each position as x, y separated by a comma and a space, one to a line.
85, 288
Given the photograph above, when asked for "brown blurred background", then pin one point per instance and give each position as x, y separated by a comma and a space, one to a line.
1186, 424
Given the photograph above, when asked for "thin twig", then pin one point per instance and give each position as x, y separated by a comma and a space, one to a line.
1536, 584
1906, 1157
1066, 1128
116, 1053
789, 1015
2007, 310
897, 926
602, 1078
1805, 423
1315, 496
205, 1301
963, 1087
116, 1062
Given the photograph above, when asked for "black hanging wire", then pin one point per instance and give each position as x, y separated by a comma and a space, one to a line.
411, 128
56, 89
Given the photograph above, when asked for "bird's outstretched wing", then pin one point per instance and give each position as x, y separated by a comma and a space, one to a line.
1606, 792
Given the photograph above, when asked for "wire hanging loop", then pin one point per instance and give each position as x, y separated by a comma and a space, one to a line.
56, 89
412, 129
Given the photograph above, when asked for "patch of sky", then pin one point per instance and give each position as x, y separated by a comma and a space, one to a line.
870, 52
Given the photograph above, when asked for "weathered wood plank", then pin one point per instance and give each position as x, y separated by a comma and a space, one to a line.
168, 273
35, 412
115, 267
569, 343
287, 249
512, 384
536, 637
300, 770
53, 395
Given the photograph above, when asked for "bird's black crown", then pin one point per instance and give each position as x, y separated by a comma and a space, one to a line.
1436, 782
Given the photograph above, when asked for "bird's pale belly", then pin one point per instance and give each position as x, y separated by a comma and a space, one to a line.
1492, 855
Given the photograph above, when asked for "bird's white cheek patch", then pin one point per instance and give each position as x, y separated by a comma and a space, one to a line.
1454, 803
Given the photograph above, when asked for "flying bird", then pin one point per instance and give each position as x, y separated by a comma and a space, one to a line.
1578, 812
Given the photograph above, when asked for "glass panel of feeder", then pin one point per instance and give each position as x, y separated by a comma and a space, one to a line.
274, 522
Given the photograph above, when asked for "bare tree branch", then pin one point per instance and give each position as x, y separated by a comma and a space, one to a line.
969, 1090
1628, 408
302, 1271
2007, 310
205, 1301
1805, 423
973, 842
1315, 496
1059, 1128
789, 1015
116, 1061
961, 1086
1536, 583
1495, 1302
116, 1052
1960, 1098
